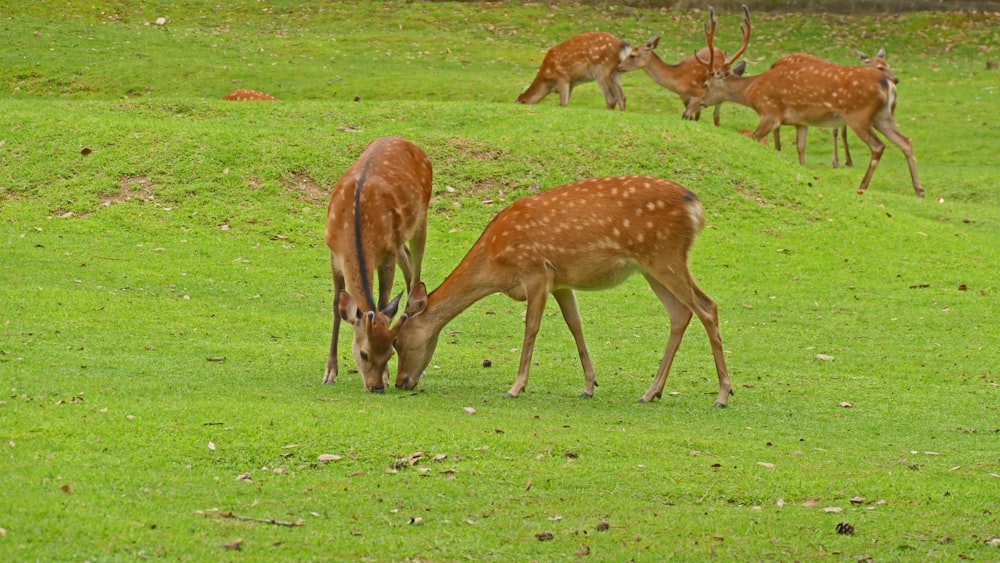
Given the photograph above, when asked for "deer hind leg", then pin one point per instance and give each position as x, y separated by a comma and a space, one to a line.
836, 148
877, 147
616, 89
608, 89
331, 360
680, 316
685, 293
892, 132
847, 151
571, 314
535, 294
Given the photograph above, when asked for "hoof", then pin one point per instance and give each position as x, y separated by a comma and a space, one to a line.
509, 395
329, 380
719, 405
643, 400
586, 395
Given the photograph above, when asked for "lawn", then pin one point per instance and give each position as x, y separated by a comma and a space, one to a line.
165, 297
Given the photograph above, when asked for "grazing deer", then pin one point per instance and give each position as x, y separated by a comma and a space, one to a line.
588, 56
591, 234
801, 133
244, 95
686, 78
378, 205
814, 95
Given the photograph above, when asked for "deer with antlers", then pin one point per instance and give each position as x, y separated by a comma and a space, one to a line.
592, 235
801, 132
585, 57
377, 206
686, 78
813, 95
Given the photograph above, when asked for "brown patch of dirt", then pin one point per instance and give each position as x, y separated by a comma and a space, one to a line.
475, 149
750, 192
308, 189
132, 187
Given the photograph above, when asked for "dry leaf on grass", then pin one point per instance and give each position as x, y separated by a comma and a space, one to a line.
329, 457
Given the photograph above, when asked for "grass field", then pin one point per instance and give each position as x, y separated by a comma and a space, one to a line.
165, 297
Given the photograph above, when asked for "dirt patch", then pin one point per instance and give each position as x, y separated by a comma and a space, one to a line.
131, 187
750, 192
476, 150
307, 189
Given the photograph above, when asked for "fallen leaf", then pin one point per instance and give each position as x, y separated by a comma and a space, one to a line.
857, 500
766, 464
846, 404
211, 446
440, 457
417, 521
329, 457
66, 489
603, 526
246, 477
813, 502
824, 357
555, 518
545, 536
469, 410
833, 509
234, 546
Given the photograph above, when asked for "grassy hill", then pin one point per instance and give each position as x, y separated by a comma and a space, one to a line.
165, 297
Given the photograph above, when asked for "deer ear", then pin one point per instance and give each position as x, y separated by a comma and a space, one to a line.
863, 56
881, 53
348, 309
652, 43
417, 301
393, 306
740, 68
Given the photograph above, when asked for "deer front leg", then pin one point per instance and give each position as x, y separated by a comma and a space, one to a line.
564, 88
801, 136
331, 359
847, 152
571, 314
532, 321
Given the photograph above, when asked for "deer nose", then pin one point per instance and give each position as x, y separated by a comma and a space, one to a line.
378, 390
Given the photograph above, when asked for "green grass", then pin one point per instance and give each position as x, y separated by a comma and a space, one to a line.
165, 298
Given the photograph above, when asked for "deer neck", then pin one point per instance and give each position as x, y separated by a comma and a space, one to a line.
737, 88
469, 283
666, 75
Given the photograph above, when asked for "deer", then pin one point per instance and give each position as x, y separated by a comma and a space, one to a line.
376, 208
686, 78
860, 97
585, 57
878, 61
587, 235
244, 95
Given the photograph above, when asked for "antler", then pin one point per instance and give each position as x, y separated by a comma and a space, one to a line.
710, 38
745, 29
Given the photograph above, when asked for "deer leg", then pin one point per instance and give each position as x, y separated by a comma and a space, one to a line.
847, 152
616, 88
571, 314
777, 139
836, 141
331, 359
683, 290
877, 147
680, 316
764, 128
564, 88
405, 262
417, 243
892, 132
532, 322
607, 89
717, 114
801, 136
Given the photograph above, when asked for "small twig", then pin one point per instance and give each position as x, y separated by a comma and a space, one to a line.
261, 520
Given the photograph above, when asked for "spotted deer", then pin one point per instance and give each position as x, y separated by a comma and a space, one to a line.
686, 78
588, 235
377, 206
585, 57
860, 97
244, 95
801, 132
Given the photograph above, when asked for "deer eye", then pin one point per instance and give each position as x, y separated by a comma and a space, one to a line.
364, 356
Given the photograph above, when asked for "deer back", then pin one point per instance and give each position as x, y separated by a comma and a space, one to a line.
376, 206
